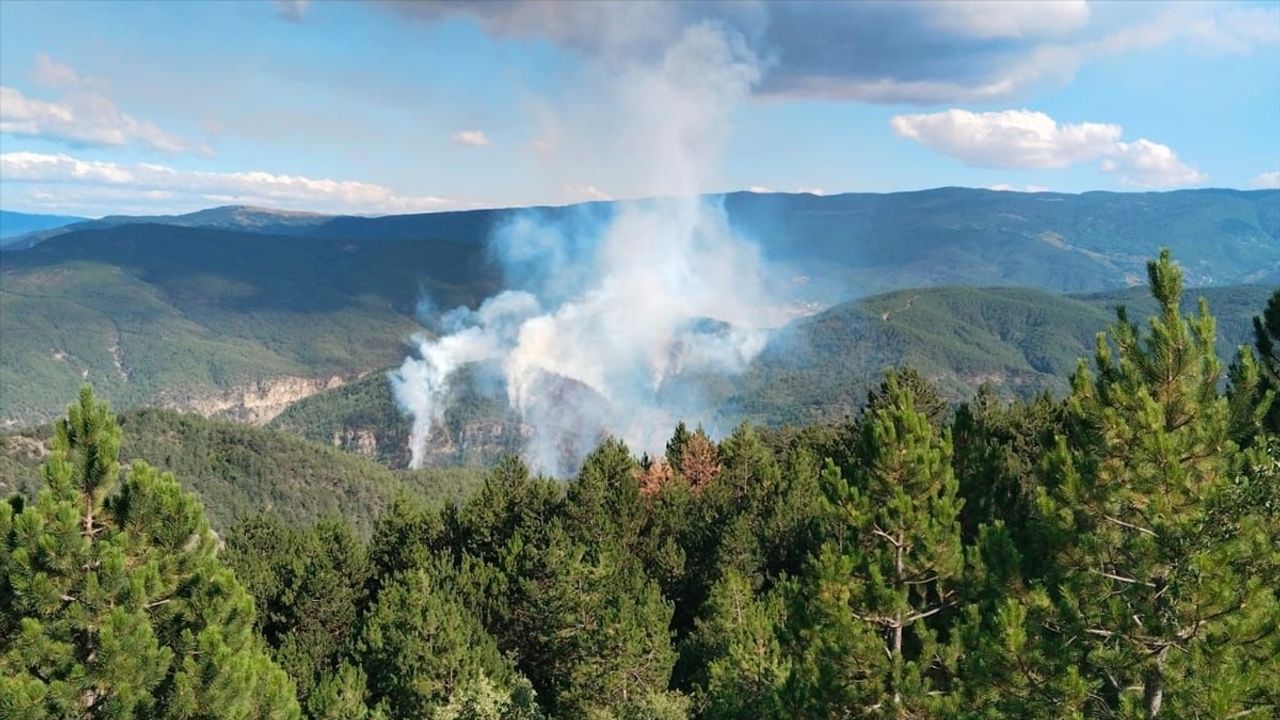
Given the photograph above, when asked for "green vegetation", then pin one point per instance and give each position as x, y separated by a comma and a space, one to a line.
168, 316
1019, 342
113, 603
238, 470
1108, 555
173, 310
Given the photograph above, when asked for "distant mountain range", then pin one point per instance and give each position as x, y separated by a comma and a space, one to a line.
241, 311
15, 224
230, 217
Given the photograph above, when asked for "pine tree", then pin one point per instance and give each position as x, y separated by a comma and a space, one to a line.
309, 587
1266, 333
116, 604
593, 629
894, 563
1151, 587
676, 445
422, 650
928, 401
738, 646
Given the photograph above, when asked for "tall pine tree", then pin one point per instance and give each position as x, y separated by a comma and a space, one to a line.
115, 605
1151, 589
893, 564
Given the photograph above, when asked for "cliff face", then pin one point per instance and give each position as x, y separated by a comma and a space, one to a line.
258, 402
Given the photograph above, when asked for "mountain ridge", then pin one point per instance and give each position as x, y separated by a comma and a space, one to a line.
338, 296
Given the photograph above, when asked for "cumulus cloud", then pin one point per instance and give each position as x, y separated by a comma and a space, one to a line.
1030, 139
84, 115
1148, 164
937, 51
1008, 138
471, 138
90, 183
1269, 180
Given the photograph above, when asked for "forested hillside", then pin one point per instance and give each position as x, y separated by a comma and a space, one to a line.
1108, 555
820, 368
259, 307
239, 470
176, 316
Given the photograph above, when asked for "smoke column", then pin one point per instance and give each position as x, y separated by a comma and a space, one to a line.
609, 311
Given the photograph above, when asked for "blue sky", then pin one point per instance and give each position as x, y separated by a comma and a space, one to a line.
377, 107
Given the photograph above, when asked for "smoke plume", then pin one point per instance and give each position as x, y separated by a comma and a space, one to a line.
610, 307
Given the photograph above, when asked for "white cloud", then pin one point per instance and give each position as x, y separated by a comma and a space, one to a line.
472, 138
100, 183
1235, 32
1147, 164
1029, 139
85, 114
759, 189
1008, 138
811, 190
1270, 180
992, 19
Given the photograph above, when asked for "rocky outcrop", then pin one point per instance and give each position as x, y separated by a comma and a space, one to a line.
258, 402
361, 441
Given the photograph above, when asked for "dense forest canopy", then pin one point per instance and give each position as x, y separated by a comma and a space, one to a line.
1109, 554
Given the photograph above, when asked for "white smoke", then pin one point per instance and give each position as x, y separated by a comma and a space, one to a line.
618, 307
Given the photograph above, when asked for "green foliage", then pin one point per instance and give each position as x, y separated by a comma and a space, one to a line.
1159, 607
1266, 332
237, 470
309, 587
1110, 555
422, 650
114, 604
820, 368
894, 562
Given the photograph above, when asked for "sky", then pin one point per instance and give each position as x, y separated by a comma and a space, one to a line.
397, 107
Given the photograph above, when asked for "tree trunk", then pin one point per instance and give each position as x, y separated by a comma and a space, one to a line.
1153, 684
897, 629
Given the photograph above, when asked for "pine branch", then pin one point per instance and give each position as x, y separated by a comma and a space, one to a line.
1131, 526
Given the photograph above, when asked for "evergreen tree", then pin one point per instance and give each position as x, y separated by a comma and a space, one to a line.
894, 562
1152, 590
115, 604
676, 445
423, 651
744, 668
998, 451
1266, 332
309, 587
928, 401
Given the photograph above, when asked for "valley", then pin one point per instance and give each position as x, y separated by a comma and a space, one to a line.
238, 312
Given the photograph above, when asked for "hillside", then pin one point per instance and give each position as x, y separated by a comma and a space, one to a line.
211, 320
240, 311
267, 221
15, 224
818, 368
238, 470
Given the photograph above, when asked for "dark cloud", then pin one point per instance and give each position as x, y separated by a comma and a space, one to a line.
926, 52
